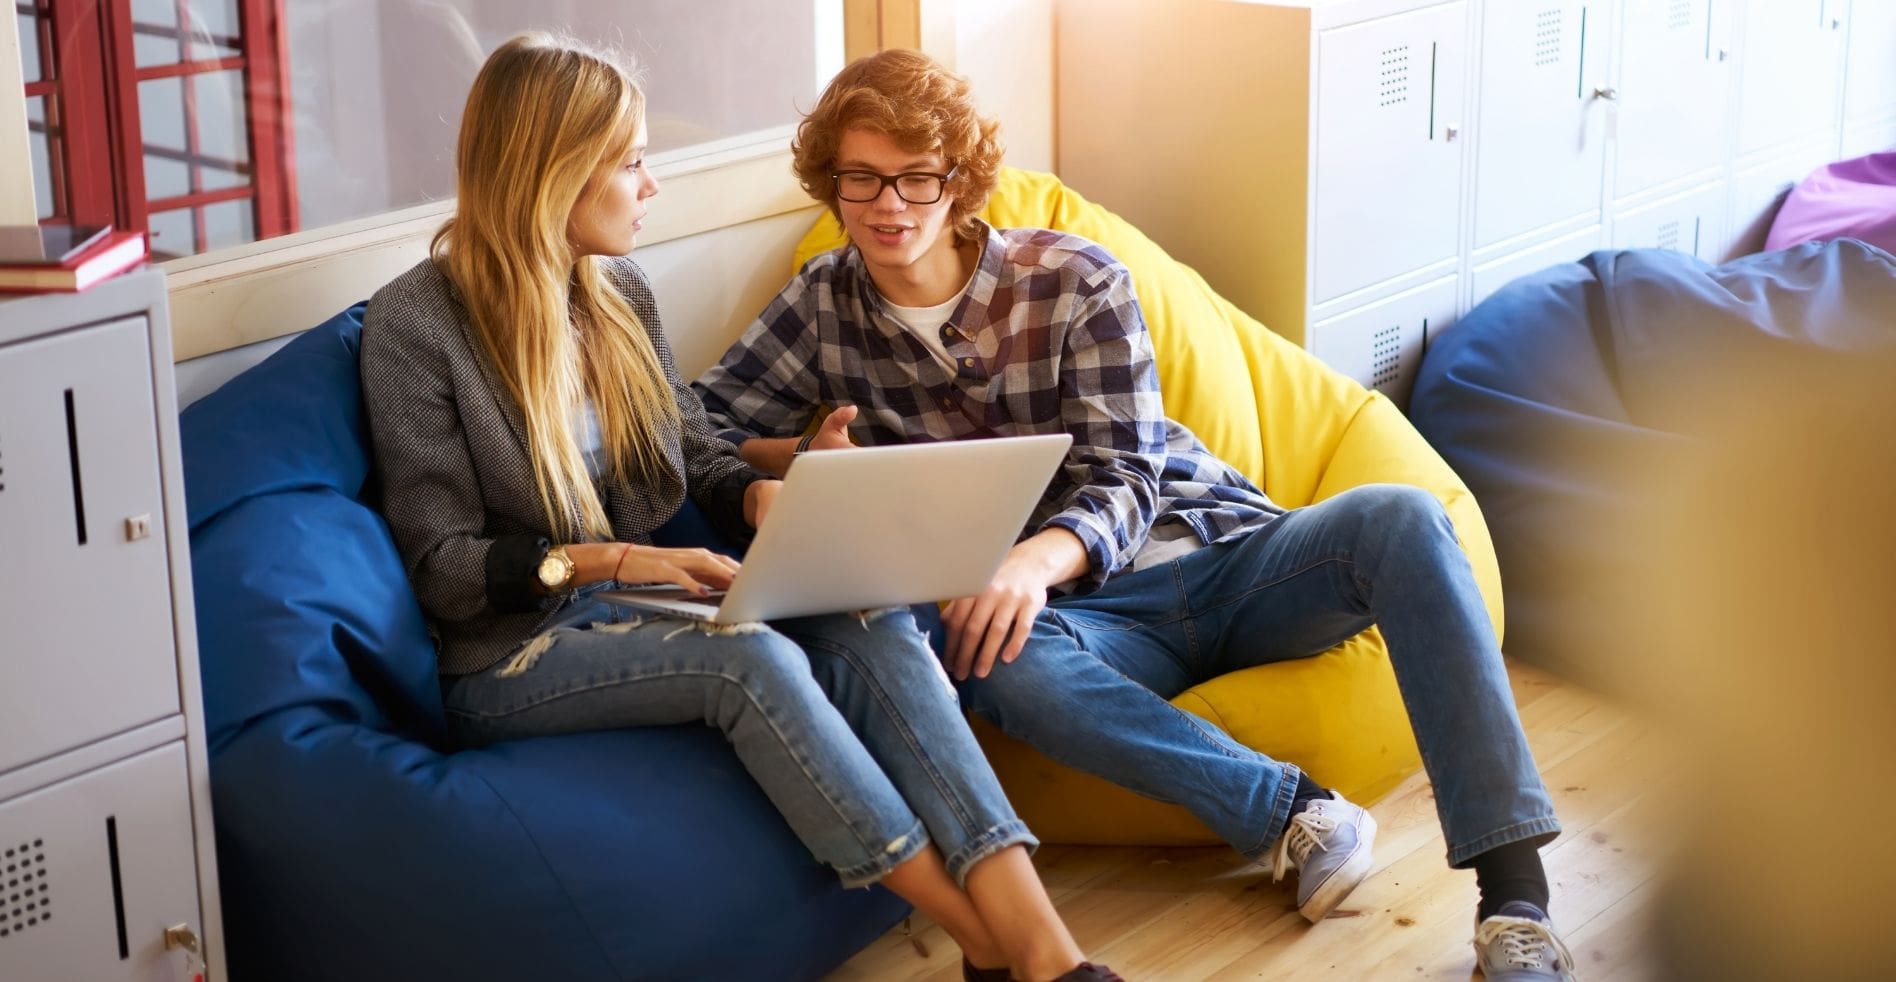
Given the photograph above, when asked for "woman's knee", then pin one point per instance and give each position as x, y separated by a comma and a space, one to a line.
886, 646
881, 635
755, 660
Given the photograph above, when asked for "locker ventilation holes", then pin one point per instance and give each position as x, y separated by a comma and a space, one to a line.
1393, 89
1679, 15
1669, 235
28, 897
1547, 37
1386, 357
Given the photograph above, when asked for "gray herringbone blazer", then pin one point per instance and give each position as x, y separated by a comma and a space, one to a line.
456, 482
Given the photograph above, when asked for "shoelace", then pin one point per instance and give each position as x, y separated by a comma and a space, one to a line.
1304, 834
1524, 942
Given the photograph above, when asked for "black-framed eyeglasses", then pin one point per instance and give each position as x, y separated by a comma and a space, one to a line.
914, 187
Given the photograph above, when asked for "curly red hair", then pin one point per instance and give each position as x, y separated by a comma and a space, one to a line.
923, 107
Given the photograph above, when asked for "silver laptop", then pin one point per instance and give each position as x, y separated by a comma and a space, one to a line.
870, 527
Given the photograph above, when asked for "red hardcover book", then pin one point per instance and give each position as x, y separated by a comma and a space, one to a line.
109, 256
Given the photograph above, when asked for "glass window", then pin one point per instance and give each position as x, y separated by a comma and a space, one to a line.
227, 223
216, 178
155, 38
217, 100
378, 87
351, 109
173, 234
41, 143
29, 46
166, 175
157, 13
214, 30
161, 114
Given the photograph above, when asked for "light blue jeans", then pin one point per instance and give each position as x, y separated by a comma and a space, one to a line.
847, 722
1091, 687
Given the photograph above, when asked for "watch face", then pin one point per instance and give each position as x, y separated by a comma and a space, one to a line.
553, 572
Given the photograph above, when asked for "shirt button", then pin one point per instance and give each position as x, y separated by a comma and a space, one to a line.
947, 404
947, 332
967, 363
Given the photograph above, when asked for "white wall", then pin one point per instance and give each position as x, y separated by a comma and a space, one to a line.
379, 84
16, 160
1005, 47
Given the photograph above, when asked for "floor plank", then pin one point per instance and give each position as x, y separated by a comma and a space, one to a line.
1206, 913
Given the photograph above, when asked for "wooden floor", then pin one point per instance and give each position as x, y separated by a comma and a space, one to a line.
1187, 914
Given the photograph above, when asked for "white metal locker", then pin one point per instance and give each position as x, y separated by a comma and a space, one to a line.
1381, 344
1389, 120
87, 594
93, 874
1489, 277
1869, 82
1540, 153
1674, 77
1868, 136
1692, 223
1791, 65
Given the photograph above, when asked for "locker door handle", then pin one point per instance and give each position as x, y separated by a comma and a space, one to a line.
181, 936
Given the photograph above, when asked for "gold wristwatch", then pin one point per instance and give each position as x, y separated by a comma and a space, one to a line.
557, 570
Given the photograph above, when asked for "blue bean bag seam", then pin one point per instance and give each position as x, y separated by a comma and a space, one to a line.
565, 894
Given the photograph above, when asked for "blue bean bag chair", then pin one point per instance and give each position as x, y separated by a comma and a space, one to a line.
1567, 399
354, 843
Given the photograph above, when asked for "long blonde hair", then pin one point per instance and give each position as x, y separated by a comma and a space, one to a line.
546, 120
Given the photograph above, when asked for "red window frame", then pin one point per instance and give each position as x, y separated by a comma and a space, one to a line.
96, 152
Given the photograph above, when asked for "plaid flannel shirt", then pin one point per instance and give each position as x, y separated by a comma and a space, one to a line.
1047, 338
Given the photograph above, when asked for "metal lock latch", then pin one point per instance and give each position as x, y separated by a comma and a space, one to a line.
181, 936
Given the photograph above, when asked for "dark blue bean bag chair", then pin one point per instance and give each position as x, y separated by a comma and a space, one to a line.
1567, 399
354, 843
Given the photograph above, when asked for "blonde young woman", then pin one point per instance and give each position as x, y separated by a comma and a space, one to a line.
530, 431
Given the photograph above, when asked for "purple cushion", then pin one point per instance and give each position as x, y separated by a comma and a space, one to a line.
1850, 199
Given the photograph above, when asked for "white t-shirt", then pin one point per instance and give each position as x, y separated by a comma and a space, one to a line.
924, 324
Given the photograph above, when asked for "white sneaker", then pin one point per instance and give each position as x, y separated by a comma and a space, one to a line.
1517, 944
1329, 844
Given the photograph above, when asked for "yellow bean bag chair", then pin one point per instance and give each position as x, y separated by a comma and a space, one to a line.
1303, 432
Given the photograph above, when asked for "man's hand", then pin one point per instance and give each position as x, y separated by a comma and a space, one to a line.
774, 454
833, 433
995, 623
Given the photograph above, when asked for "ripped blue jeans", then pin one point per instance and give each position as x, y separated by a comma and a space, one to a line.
846, 721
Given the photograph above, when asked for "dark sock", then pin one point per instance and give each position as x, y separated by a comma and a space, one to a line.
1307, 792
1509, 874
